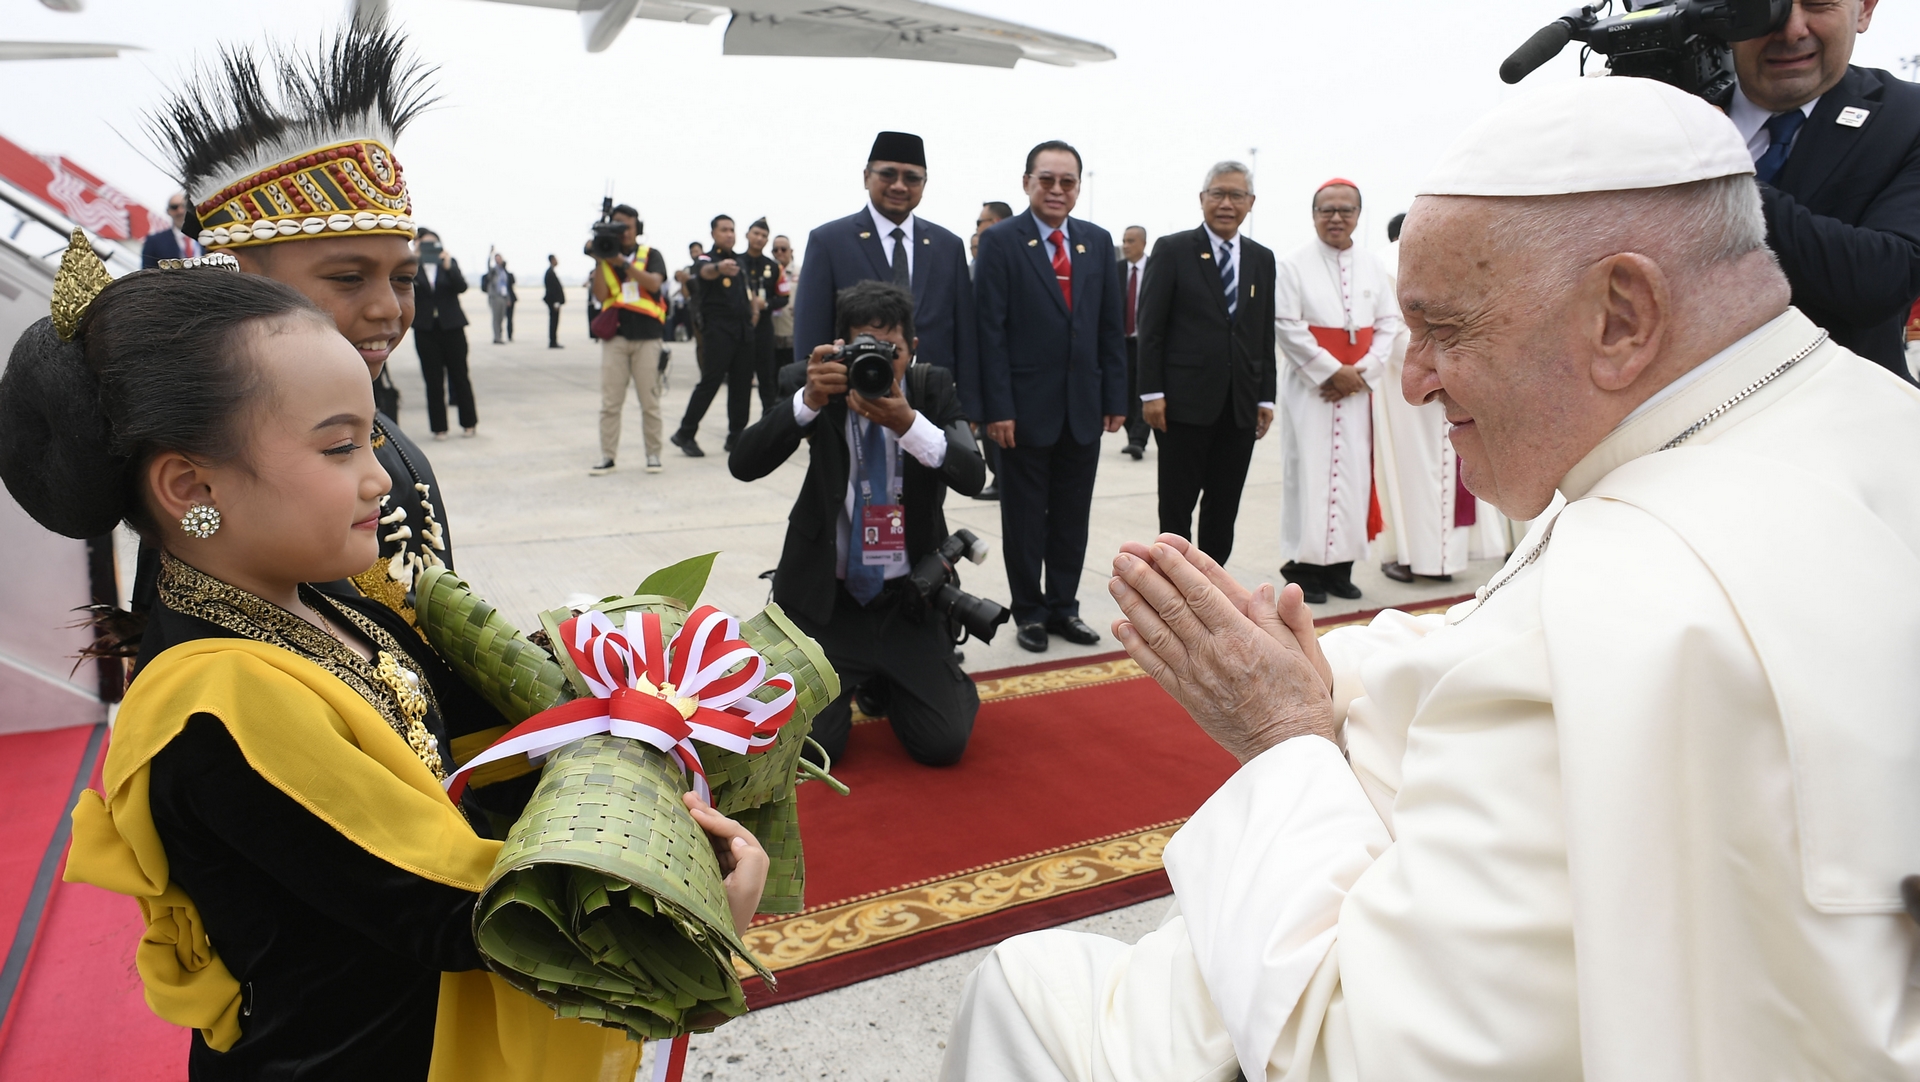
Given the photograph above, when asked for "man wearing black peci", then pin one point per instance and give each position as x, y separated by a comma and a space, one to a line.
1207, 376
1836, 150
878, 472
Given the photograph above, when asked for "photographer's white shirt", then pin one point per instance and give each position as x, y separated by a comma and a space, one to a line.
924, 441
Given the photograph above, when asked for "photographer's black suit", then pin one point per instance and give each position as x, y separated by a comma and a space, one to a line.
933, 700
1843, 215
440, 337
1214, 370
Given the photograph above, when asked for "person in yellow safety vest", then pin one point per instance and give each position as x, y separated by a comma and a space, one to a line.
628, 289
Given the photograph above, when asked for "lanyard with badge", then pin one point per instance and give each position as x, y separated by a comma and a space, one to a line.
883, 526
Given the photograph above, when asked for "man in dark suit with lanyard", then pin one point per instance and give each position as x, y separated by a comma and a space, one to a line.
886, 241
1207, 375
1836, 150
878, 471
1052, 378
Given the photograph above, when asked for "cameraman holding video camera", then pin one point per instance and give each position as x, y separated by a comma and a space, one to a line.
1837, 153
627, 281
869, 522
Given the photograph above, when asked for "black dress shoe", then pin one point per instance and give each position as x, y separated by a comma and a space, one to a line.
1311, 589
727, 447
1074, 630
1312, 595
991, 492
875, 697
1033, 637
1134, 451
687, 444
1344, 589
1397, 572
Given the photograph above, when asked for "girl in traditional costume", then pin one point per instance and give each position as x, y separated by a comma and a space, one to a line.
273, 793
288, 164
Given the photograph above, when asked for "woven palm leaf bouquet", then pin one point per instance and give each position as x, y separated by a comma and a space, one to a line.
606, 901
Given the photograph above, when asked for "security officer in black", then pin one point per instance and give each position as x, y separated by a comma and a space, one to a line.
763, 291
726, 318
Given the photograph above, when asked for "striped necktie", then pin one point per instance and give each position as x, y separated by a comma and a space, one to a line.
1227, 279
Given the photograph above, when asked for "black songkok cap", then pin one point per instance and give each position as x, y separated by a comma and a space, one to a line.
759, 223
898, 146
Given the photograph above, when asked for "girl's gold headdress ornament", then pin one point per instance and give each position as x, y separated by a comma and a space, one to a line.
80, 279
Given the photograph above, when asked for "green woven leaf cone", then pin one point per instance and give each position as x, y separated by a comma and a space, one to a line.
777, 825
606, 901
513, 674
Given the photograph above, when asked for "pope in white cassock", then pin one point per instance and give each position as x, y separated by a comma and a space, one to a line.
1336, 321
1641, 811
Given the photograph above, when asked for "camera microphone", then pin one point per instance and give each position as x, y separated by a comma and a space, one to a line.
1544, 45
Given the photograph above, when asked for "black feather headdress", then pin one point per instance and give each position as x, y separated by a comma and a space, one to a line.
252, 111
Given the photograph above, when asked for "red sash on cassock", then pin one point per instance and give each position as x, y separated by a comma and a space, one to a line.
1334, 341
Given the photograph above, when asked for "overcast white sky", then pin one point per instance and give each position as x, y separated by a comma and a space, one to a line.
531, 127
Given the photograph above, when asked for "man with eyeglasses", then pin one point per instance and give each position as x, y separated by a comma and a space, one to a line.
1052, 379
1206, 372
171, 242
886, 241
1336, 319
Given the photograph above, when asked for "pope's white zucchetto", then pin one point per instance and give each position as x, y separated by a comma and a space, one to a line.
1591, 135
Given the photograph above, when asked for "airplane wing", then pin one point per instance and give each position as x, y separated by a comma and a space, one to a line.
892, 29
60, 50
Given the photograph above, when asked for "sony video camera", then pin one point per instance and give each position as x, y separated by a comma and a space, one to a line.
938, 583
869, 362
1685, 43
609, 237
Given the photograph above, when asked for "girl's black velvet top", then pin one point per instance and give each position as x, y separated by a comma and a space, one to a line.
338, 953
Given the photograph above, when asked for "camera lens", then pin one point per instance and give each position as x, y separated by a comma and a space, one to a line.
870, 375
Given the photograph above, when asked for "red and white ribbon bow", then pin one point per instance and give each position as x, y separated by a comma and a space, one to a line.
663, 694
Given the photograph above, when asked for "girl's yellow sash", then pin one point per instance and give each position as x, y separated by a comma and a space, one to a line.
316, 740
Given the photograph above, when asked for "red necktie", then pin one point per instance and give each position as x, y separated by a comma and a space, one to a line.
1062, 267
1133, 290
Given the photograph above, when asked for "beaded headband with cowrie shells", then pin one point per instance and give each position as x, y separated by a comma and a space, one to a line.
354, 187
287, 144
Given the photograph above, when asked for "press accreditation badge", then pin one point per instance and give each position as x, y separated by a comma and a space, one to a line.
630, 292
883, 535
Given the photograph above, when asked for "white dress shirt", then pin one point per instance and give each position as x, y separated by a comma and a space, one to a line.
924, 441
1751, 120
886, 228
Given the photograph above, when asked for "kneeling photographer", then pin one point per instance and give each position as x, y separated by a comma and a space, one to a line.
867, 566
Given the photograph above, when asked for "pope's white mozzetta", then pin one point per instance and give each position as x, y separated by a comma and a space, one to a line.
1639, 813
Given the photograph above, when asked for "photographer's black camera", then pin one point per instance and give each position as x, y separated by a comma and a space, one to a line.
609, 236
936, 580
869, 362
1685, 43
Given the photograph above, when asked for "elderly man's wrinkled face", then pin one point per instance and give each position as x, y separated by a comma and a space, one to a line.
1497, 351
